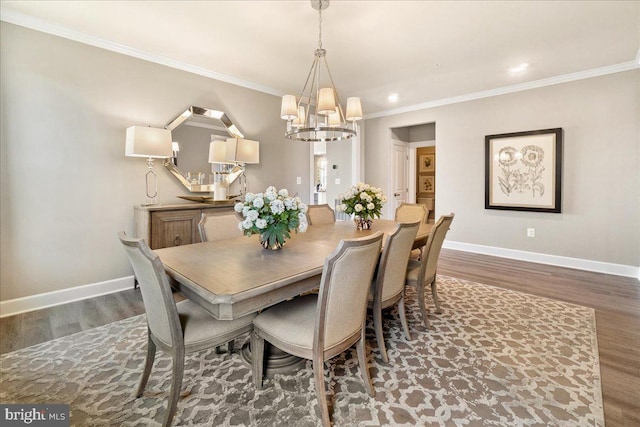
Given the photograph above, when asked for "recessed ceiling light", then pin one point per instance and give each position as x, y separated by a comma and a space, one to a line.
520, 68
393, 97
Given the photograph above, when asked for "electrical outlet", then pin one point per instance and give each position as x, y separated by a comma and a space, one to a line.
298, 180
531, 232
338, 181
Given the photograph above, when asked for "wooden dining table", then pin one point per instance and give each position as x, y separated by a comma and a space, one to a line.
234, 277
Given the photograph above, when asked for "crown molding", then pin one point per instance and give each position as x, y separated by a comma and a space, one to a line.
12, 17
26, 21
565, 78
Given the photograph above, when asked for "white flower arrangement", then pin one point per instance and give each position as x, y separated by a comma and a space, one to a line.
363, 200
272, 214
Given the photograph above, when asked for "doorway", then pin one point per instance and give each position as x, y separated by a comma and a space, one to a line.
420, 165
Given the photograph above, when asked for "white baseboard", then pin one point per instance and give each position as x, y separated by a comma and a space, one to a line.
560, 261
63, 296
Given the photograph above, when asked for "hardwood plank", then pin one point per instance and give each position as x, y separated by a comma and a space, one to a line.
64, 321
36, 328
10, 334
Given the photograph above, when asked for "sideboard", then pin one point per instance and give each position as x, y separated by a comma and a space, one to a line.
163, 226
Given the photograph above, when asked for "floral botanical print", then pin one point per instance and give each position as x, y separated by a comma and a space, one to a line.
521, 170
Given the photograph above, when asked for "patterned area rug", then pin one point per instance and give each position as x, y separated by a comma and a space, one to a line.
494, 357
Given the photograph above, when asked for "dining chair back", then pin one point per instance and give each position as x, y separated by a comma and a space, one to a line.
388, 286
411, 212
177, 329
321, 326
219, 225
320, 214
424, 272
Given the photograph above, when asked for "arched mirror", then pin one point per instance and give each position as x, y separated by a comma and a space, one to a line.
192, 132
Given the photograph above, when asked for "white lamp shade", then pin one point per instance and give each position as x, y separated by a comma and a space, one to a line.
354, 109
326, 101
148, 142
247, 151
220, 152
334, 119
299, 121
289, 107
234, 150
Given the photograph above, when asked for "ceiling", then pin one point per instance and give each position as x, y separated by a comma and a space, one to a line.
425, 51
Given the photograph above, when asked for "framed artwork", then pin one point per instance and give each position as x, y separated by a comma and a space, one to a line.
523, 171
427, 184
427, 163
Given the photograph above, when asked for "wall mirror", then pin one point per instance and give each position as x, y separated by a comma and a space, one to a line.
192, 132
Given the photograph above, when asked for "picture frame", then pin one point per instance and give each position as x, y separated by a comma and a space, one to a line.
523, 171
427, 163
427, 184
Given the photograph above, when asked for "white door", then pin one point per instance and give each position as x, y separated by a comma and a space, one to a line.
399, 173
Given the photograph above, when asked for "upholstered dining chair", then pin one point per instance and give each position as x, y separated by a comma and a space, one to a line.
177, 329
219, 225
410, 212
387, 288
320, 214
319, 327
420, 273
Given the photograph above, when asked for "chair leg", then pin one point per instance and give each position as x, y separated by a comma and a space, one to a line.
148, 364
377, 324
423, 306
434, 293
257, 355
176, 384
403, 318
362, 361
321, 394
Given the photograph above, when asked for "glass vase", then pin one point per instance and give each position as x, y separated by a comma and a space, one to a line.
264, 241
362, 223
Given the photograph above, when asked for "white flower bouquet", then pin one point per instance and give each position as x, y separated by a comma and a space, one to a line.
272, 215
364, 202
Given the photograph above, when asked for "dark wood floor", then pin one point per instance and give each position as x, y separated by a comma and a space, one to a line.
616, 301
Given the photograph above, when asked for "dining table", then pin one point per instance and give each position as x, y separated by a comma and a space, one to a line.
234, 277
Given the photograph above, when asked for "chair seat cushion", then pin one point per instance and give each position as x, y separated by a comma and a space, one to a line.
291, 324
200, 327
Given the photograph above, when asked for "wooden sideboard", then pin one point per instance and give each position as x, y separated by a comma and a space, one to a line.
163, 226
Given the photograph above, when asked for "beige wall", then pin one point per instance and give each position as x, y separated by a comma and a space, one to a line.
601, 182
67, 187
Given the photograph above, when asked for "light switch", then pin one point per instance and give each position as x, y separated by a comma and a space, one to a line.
338, 181
299, 180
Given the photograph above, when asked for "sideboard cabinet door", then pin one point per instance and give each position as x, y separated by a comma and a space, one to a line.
174, 228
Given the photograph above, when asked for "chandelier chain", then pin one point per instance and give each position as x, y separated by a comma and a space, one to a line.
320, 26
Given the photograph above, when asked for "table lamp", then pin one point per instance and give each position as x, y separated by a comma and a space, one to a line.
234, 153
152, 143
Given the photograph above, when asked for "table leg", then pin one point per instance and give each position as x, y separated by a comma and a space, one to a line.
277, 361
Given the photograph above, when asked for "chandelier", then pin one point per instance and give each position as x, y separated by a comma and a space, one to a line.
316, 115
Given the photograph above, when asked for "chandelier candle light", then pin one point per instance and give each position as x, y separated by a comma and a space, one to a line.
316, 115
